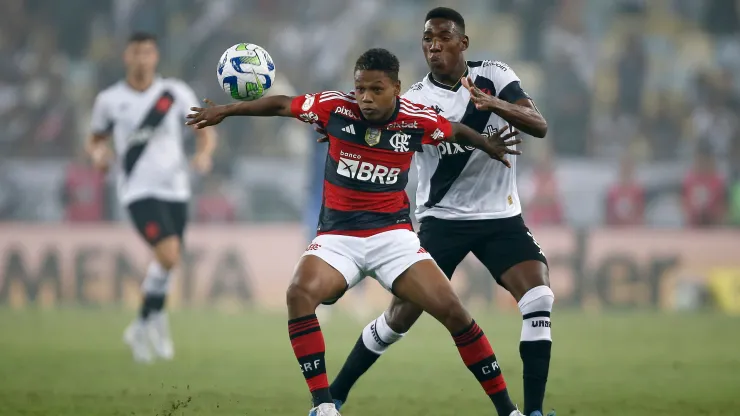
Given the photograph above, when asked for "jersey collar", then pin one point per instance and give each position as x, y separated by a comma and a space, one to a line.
452, 88
155, 81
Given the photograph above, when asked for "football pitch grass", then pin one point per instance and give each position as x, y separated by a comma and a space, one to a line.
72, 362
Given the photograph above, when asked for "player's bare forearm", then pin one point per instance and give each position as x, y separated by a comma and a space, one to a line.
275, 105
94, 141
206, 141
522, 115
496, 146
466, 136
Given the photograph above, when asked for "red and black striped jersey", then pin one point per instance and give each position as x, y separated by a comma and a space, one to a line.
368, 164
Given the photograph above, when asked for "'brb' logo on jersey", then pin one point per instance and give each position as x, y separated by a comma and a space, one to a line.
350, 166
400, 142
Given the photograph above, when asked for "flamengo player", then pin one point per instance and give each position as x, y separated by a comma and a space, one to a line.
460, 212
365, 227
143, 113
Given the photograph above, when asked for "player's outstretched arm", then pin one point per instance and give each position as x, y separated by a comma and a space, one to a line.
276, 105
522, 114
497, 146
98, 150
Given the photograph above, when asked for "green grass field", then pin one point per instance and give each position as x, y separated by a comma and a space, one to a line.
72, 362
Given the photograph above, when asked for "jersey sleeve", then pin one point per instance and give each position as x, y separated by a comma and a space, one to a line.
436, 131
100, 120
507, 83
315, 108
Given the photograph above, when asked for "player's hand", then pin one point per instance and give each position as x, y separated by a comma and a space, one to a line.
499, 145
101, 156
202, 163
204, 117
481, 100
324, 137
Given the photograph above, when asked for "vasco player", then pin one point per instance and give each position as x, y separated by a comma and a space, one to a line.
143, 114
468, 203
365, 227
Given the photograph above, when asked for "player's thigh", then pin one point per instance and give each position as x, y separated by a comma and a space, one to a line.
513, 256
446, 241
314, 281
154, 221
391, 253
179, 214
329, 267
424, 285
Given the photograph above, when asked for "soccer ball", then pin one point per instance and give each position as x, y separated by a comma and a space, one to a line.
246, 71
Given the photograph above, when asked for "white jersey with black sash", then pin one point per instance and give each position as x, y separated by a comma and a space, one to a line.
458, 182
147, 130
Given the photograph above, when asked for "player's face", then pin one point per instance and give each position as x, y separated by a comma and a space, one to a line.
141, 57
376, 94
443, 45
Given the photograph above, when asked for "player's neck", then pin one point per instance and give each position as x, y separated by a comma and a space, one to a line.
453, 78
140, 82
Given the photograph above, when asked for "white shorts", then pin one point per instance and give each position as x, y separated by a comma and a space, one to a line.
383, 256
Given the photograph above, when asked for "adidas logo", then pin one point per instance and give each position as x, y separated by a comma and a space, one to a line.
349, 129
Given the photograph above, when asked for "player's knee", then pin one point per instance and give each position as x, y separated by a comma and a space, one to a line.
454, 316
540, 298
300, 296
167, 252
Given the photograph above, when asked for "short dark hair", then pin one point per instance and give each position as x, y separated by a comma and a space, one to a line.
138, 37
379, 59
447, 14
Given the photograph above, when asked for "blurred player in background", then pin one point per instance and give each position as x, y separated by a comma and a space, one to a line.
467, 202
144, 115
365, 224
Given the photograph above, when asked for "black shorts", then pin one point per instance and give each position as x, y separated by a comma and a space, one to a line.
156, 219
498, 243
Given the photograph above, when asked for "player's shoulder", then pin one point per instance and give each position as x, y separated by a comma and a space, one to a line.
416, 90
335, 96
412, 110
112, 92
342, 103
489, 66
176, 84
498, 73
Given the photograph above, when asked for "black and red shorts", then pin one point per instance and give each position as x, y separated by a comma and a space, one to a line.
156, 219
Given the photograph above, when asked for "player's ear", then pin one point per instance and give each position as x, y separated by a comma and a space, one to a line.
465, 42
397, 87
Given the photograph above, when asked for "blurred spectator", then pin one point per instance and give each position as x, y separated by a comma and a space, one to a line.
734, 181
568, 102
84, 192
663, 130
704, 191
625, 201
544, 207
213, 204
531, 29
716, 122
632, 68
721, 17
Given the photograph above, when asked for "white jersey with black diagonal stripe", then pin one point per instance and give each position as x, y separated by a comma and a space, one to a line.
463, 183
150, 122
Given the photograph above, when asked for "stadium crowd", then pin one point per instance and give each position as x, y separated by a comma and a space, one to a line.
641, 97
